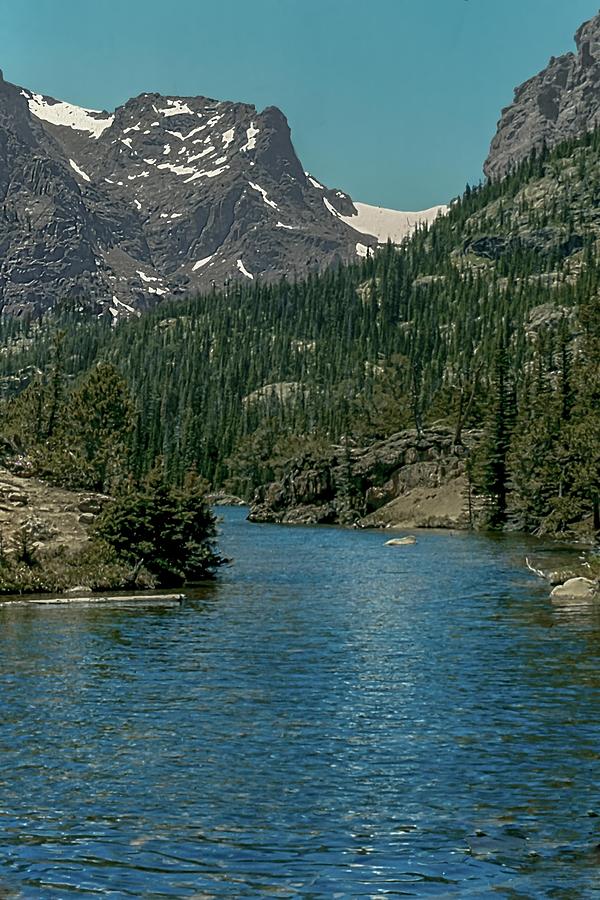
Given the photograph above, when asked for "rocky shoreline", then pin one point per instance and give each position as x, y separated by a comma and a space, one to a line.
410, 480
572, 584
47, 517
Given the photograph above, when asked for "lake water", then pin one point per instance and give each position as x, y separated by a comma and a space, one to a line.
333, 718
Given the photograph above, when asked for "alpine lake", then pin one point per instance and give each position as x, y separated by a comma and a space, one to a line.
330, 718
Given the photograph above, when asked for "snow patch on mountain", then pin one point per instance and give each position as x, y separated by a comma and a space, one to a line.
386, 224
201, 263
175, 108
316, 184
264, 194
228, 137
66, 114
79, 171
251, 134
244, 270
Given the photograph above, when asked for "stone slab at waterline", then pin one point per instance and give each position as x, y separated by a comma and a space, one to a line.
576, 590
409, 480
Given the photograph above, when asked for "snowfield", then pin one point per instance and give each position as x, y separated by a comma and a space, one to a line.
389, 224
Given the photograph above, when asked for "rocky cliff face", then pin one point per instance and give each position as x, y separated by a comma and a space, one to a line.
406, 481
168, 195
561, 102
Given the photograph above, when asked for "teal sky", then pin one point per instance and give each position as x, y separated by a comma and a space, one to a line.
394, 101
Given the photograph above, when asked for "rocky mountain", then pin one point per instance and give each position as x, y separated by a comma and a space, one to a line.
559, 103
165, 196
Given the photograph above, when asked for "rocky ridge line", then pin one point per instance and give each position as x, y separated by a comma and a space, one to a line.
165, 196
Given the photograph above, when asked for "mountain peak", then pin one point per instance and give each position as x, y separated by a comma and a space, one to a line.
587, 40
561, 102
165, 195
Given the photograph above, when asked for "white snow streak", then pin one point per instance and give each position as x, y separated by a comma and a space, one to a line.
331, 209
244, 270
177, 170
147, 278
205, 152
265, 197
314, 182
176, 108
79, 171
202, 262
206, 174
118, 302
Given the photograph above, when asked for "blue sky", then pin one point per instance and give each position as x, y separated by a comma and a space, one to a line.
394, 101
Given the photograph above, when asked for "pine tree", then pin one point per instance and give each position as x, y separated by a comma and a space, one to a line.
490, 470
164, 531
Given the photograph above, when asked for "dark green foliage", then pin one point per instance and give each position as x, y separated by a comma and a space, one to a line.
223, 383
95, 430
490, 471
79, 438
161, 530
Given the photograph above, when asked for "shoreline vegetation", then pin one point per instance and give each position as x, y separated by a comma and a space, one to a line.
453, 381
147, 537
98, 527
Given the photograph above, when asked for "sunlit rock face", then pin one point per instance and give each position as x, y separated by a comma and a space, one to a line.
165, 196
561, 102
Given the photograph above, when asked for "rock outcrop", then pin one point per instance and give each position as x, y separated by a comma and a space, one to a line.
48, 516
221, 498
406, 481
561, 102
165, 196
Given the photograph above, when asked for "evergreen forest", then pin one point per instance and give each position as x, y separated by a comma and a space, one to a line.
489, 320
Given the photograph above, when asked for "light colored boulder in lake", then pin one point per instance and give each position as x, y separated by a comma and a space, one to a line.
401, 542
576, 590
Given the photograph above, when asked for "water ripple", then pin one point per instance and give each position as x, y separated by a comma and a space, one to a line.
334, 718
